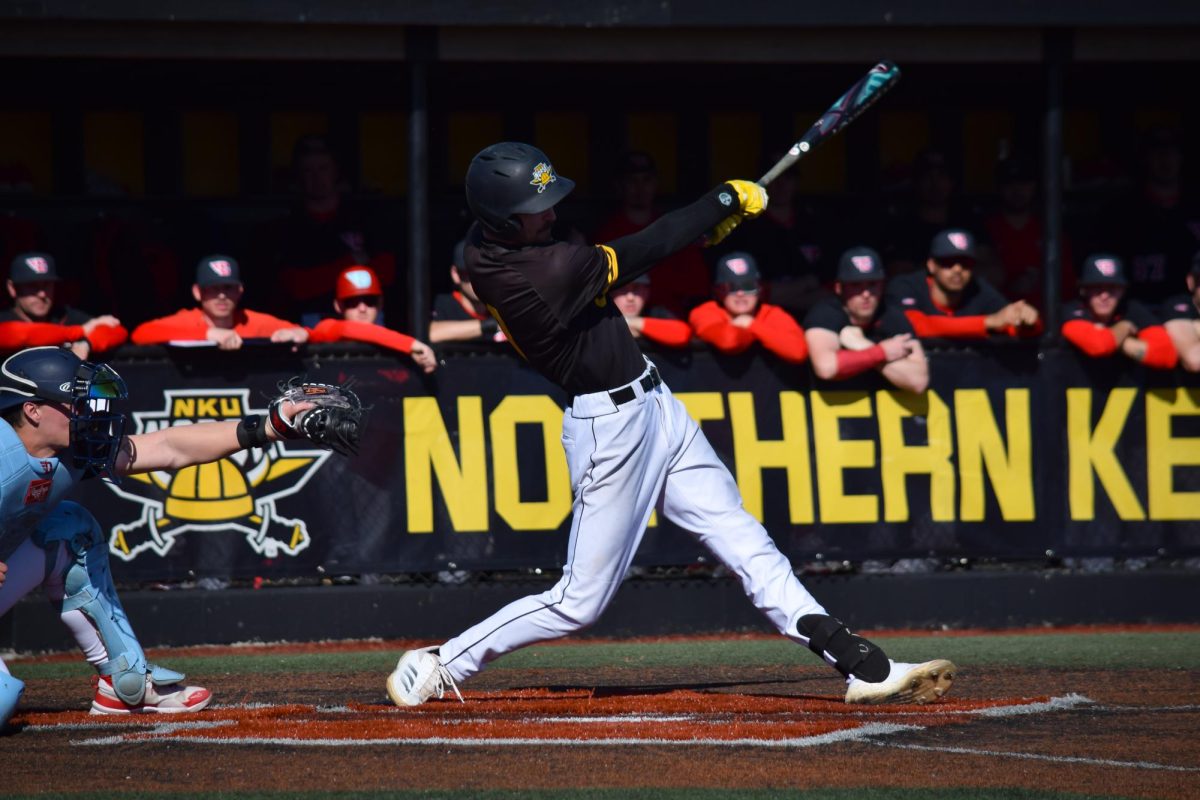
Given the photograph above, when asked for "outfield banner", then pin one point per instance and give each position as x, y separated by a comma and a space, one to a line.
1014, 452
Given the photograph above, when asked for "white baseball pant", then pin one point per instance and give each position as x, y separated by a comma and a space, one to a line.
625, 460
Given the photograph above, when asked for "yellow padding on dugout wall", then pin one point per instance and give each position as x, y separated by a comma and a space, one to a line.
114, 148
383, 150
657, 133
468, 134
211, 160
564, 136
25, 148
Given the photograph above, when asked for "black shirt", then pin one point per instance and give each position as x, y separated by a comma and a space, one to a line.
911, 292
57, 316
830, 314
1137, 313
551, 300
1179, 306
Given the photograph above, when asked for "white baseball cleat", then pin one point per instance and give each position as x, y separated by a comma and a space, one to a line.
906, 684
419, 675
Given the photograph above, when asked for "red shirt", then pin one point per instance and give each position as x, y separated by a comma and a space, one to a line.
773, 327
192, 325
338, 330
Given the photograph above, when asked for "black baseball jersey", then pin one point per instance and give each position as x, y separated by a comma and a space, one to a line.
1180, 306
830, 314
1134, 311
58, 316
551, 300
911, 293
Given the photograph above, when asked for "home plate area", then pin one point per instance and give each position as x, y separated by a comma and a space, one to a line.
573, 717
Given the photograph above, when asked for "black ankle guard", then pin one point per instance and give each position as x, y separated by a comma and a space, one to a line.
853, 654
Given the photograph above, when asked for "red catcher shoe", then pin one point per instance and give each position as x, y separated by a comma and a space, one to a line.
172, 698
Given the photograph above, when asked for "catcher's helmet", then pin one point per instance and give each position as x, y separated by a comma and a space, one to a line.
56, 375
512, 178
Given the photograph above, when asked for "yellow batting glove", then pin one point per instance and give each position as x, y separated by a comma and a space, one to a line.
722, 229
752, 198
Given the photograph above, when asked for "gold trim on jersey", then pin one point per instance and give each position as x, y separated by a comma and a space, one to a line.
614, 270
507, 335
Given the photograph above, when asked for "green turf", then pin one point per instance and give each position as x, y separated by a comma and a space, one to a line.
1129, 650
612, 794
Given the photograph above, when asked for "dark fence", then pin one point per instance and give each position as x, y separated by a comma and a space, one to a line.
1015, 452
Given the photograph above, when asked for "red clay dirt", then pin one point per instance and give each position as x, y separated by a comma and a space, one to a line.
717, 727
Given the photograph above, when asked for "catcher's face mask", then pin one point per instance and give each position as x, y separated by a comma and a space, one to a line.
95, 430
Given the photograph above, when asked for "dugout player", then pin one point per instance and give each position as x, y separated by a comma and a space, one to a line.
1182, 315
57, 428
949, 301
649, 324
855, 331
630, 444
1104, 320
737, 318
461, 316
358, 300
218, 316
36, 318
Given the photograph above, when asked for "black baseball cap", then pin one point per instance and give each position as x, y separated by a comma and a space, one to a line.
1102, 269
953, 243
737, 270
859, 265
33, 268
217, 270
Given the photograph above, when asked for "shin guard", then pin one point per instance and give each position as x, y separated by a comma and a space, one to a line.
851, 654
88, 587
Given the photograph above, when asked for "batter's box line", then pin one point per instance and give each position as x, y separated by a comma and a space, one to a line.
855, 734
1099, 762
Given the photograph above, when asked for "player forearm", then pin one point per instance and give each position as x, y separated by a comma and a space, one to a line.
640, 251
932, 326
1094, 341
179, 446
910, 373
456, 330
1185, 336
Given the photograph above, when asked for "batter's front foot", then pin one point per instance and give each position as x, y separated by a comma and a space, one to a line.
906, 684
418, 676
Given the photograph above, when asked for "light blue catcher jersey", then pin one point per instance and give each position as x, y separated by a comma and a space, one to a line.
29, 488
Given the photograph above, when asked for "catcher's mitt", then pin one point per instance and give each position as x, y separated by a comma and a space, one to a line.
335, 422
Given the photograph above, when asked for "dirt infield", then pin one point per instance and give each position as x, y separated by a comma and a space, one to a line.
1127, 733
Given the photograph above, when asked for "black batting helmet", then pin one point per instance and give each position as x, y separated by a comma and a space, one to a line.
512, 178
56, 375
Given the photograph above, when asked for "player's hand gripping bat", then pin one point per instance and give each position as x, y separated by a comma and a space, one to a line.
869, 88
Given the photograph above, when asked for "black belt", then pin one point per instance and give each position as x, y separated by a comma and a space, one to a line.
626, 393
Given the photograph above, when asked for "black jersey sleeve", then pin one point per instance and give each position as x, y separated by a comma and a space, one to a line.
986, 299
446, 309
892, 322
827, 314
637, 253
1140, 315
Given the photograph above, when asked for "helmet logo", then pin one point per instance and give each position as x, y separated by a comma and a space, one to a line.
359, 278
1106, 267
863, 264
65, 386
738, 266
543, 176
959, 240
38, 265
221, 267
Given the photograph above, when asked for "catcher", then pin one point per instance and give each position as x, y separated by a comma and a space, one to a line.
57, 428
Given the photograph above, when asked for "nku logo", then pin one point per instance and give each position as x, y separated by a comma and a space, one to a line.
237, 492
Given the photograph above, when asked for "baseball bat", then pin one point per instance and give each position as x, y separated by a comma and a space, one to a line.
869, 88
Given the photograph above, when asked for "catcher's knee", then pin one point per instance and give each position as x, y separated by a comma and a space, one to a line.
851, 654
10, 694
88, 588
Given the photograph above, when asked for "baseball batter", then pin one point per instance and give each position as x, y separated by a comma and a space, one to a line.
630, 445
